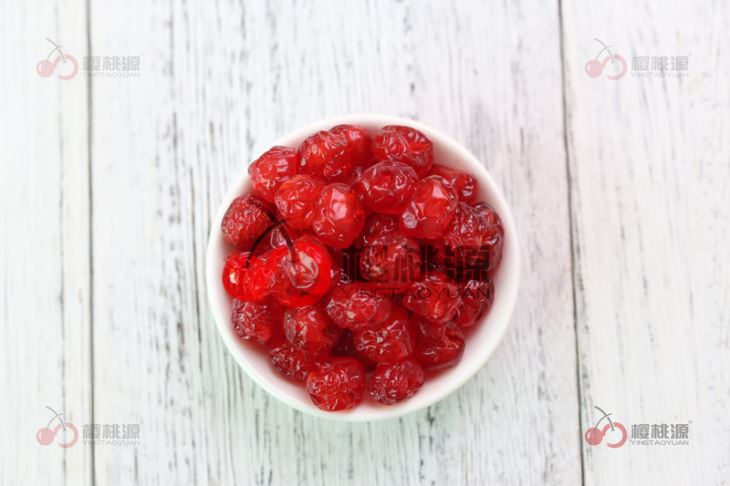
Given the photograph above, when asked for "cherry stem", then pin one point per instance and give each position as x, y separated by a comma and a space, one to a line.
56, 415
284, 234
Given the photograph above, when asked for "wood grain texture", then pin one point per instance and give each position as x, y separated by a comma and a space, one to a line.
218, 84
649, 184
619, 190
44, 244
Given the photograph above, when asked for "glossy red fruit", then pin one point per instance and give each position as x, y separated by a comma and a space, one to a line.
261, 277
435, 298
385, 186
235, 271
327, 155
477, 297
310, 329
390, 342
394, 382
404, 144
291, 361
377, 225
474, 238
339, 216
355, 307
336, 384
358, 140
465, 185
430, 209
275, 166
303, 272
493, 235
254, 322
440, 345
279, 236
245, 220
296, 200
392, 258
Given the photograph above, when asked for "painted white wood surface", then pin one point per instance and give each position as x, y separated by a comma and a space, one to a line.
650, 169
621, 206
44, 244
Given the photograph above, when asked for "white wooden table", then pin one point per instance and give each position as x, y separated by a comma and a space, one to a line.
620, 189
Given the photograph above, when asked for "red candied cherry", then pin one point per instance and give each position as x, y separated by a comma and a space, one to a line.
386, 185
254, 322
358, 140
477, 297
235, 272
475, 237
310, 329
393, 382
339, 216
247, 277
336, 384
345, 347
303, 272
435, 297
327, 155
340, 275
297, 198
390, 342
354, 177
377, 225
291, 361
245, 220
404, 144
465, 185
278, 237
261, 277
354, 307
391, 258
430, 209
275, 166
493, 233
440, 345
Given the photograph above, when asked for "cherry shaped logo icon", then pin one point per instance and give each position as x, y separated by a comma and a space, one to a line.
66, 64
594, 68
595, 435
46, 435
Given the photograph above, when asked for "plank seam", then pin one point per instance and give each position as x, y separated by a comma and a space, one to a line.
90, 188
571, 230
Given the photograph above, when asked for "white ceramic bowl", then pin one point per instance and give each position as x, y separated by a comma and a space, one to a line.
481, 342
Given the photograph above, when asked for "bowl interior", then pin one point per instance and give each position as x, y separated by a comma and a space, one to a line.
482, 339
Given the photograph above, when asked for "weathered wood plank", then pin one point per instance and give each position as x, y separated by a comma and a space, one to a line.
649, 183
218, 83
44, 243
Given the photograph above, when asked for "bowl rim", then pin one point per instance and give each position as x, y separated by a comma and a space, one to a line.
467, 369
